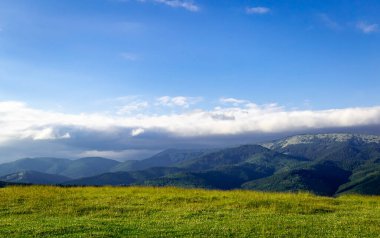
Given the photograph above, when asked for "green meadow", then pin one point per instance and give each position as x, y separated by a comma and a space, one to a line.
43, 211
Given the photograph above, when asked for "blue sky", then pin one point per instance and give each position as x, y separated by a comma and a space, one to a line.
59, 52
121, 58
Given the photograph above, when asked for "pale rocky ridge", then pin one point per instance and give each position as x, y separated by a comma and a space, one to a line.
312, 138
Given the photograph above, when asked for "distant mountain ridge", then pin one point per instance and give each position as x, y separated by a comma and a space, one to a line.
324, 164
166, 158
82, 167
33, 177
92, 166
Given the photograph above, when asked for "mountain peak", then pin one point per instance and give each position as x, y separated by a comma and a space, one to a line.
313, 138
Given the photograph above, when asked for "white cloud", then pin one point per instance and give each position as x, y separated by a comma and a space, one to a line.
367, 28
46, 133
119, 155
18, 121
179, 101
138, 131
257, 10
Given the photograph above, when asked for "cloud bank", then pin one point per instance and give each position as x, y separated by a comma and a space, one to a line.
24, 127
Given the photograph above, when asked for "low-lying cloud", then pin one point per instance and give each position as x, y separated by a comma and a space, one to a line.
24, 127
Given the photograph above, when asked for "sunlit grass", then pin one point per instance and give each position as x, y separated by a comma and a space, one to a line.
140, 211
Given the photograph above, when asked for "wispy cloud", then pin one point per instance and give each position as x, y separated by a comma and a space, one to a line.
129, 56
233, 101
329, 22
132, 107
366, 27
257, 10
179, 101
188, 5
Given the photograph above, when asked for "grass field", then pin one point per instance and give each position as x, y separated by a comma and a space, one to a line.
38, 211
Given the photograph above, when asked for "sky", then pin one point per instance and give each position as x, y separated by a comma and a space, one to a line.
127, 78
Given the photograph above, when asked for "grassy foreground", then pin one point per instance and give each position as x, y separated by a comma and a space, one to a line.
38, 211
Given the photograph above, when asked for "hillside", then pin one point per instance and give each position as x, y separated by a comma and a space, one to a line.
322, 178
252, 154
357, 155
171, 212
123, 178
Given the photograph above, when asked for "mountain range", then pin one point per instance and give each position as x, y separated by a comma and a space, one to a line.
324, 164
